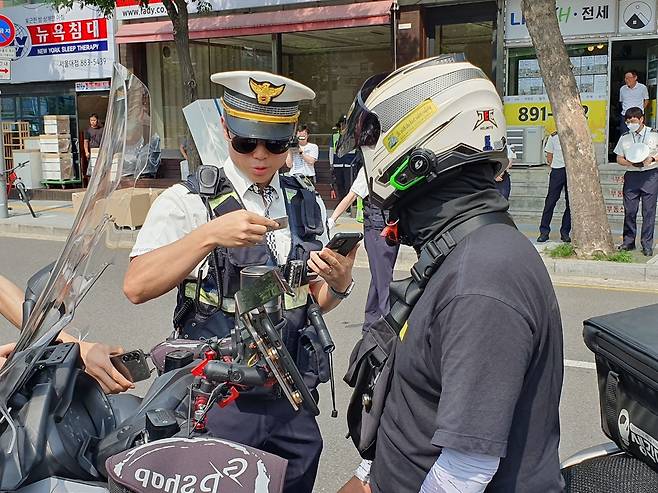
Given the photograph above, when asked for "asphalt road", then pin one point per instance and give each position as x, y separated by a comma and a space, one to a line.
107, 315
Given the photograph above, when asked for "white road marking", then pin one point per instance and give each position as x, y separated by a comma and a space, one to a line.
579, 364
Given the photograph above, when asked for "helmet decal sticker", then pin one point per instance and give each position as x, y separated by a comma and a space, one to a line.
409, 124
485, 120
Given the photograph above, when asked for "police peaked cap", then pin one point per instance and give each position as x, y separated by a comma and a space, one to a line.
261, 105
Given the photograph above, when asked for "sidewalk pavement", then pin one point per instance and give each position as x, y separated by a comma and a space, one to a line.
55, 218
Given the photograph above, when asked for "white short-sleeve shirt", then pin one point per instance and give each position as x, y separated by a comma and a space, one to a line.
633, 98
177, 212
360, 184
553, 146
646, 135
301, 167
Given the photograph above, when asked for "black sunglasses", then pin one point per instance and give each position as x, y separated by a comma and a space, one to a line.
247, 145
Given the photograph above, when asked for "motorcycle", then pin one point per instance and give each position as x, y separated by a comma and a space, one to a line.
60, 433
625, 349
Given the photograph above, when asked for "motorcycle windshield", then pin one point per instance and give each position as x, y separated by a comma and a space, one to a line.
123, 153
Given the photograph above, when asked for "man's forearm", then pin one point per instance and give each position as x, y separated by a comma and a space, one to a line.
157, 272
321, 293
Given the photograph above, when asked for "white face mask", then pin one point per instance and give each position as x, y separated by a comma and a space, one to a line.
633, 127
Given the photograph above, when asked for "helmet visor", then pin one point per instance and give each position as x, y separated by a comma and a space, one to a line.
362, 127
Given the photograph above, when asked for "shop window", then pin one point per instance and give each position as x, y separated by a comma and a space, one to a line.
334, 63
588, 61
474, 39
208, 57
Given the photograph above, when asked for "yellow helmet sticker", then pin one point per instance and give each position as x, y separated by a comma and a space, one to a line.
409, 124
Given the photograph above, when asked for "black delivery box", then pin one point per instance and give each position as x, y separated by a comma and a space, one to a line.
625, 345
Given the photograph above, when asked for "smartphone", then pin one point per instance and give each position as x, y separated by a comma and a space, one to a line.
344, 243
132, 365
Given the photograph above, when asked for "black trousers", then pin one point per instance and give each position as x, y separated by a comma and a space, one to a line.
505, 185
344, 180
640, 185
381, 258
275, 427
557, 182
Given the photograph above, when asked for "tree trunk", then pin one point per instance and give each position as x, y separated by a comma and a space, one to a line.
177, 12
591, 230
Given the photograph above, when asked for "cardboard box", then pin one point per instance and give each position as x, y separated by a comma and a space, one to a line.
55, 143
57, 166
78, 197
56, 124
128, 207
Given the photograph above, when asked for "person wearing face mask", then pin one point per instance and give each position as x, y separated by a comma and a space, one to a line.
301, 159
471, 401
640, 180
201, 242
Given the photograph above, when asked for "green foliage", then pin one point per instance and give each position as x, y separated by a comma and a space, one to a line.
562, 251
622, 257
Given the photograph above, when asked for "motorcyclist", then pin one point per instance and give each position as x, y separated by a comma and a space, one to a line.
201, 243
477, 375
96, 356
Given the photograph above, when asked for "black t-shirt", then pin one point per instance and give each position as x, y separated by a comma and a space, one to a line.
93, 135
479, 369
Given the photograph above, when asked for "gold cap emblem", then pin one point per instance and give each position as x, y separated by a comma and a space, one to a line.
265, 91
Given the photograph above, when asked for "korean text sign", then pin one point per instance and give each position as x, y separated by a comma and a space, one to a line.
68, 44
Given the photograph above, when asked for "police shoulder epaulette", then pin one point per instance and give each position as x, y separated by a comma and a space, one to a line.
554, 134
626, 133
654, 130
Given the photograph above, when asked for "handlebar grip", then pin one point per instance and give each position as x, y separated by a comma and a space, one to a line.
316, 318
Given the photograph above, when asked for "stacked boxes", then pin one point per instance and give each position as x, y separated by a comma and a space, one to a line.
55, 147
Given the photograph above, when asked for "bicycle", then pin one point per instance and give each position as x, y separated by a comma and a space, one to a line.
13, 180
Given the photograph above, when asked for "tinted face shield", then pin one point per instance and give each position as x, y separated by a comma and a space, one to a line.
362, 127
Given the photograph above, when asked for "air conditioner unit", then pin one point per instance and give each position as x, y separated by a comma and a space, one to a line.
527, 143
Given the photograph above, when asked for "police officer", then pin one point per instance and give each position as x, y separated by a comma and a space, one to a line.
381, 255
640, 179
341, 165
473, 397
557, 181
200, 244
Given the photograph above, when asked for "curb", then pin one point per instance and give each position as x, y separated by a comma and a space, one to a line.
52, 233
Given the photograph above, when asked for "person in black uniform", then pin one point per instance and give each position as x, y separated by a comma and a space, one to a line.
342, 166
473, 402
640, 179
201, 244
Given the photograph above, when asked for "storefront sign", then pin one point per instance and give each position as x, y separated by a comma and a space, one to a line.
637, 16
576, 17
5, 70
95, 85
536, 111
132, 9
50, 45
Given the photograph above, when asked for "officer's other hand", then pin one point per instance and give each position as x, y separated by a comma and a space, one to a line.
96, 357
355, 485
240, 229
5, 349
499, 178
648, 161
335, 269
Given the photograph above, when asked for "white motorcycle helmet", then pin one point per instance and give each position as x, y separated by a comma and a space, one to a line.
421, 121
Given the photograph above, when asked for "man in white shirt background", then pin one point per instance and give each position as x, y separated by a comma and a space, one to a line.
632, 94
301, 159
640, 181
556, 183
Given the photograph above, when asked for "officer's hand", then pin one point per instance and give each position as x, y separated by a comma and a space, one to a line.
239, 229
648, 161
499, 178
5, 349
335, 269
96, 357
